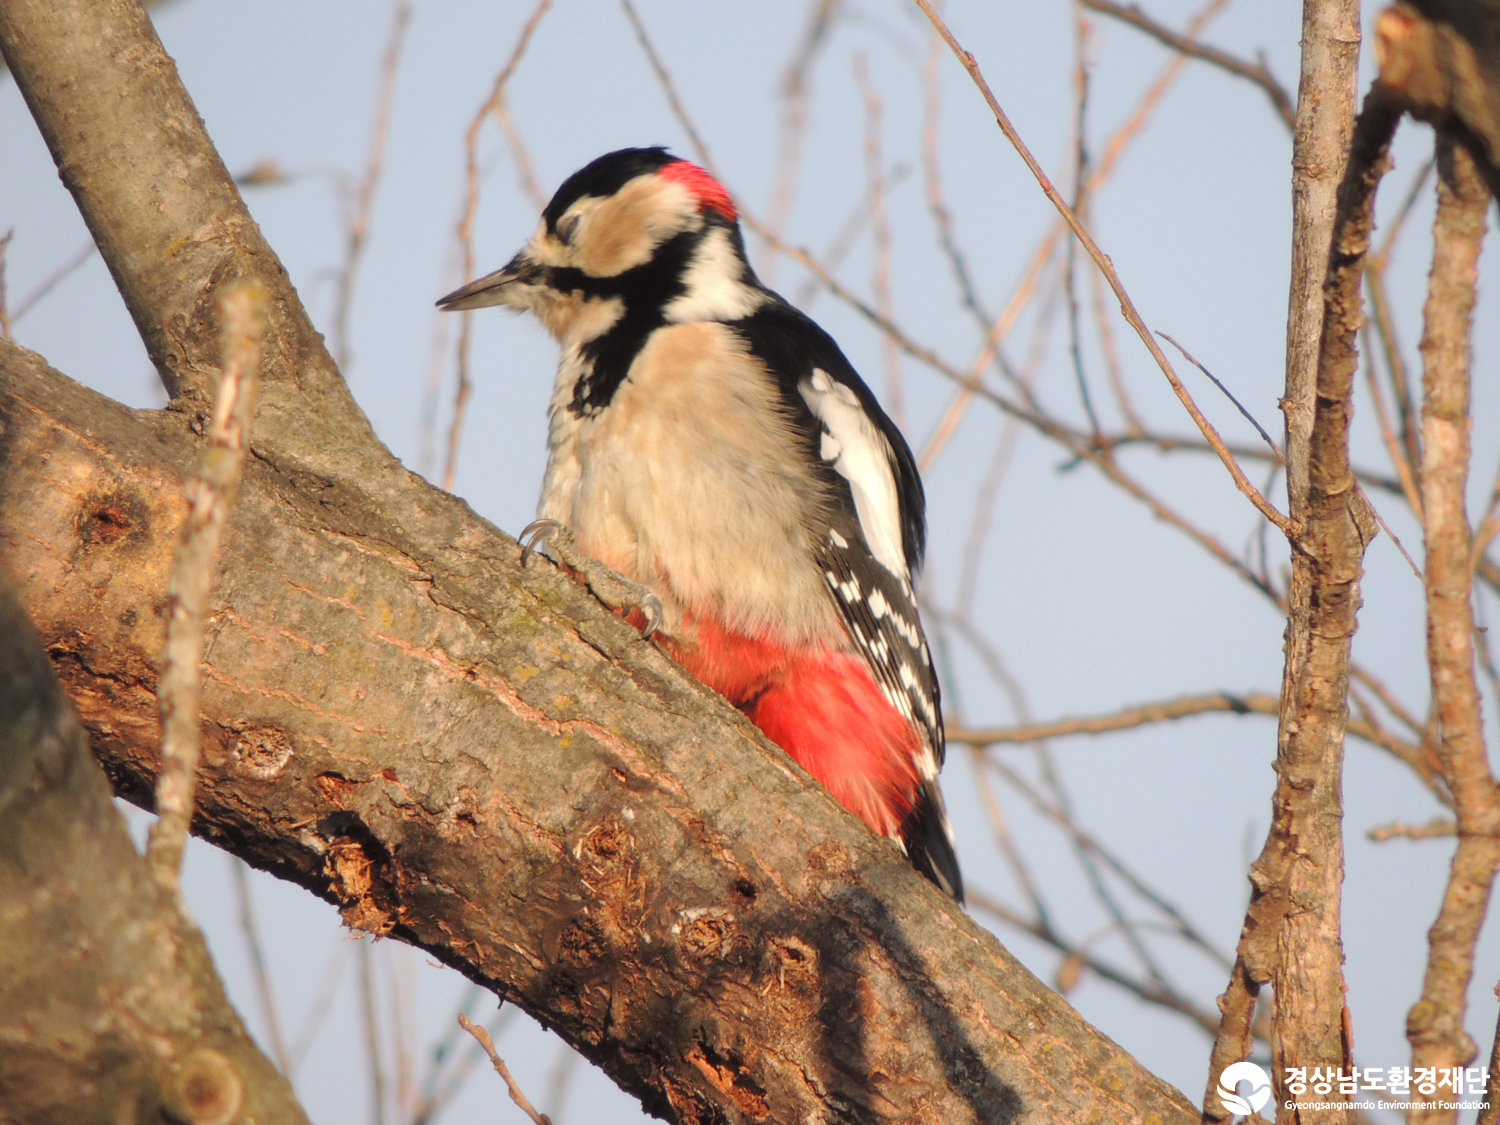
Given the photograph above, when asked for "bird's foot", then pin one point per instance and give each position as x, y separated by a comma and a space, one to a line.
608, 585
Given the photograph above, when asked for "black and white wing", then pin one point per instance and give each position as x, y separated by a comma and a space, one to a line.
873, 546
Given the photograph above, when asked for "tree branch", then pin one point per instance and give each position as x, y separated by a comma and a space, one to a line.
1435, 1025
1287, 525
1147, 713
1295, 882
108, 996
1253, 72
527, 790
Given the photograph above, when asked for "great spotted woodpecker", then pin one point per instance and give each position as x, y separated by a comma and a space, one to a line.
711, 443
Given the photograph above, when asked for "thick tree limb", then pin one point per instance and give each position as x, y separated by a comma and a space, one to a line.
475, 758
109, 1005
1435, 1025
481, 761
1442, 57
1291, 936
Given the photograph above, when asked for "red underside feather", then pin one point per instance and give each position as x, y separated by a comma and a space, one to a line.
823, 708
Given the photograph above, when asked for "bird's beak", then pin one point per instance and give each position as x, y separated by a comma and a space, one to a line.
498, 288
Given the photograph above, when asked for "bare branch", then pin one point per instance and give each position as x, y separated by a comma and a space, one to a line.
1491, 1111
1127, 307
880, 233
364, 194
264, 988
1295, 896
1257, 703
369, 1018
243, 310
1435, 828
1151, 993
52, 280
1252, 72
502, 1070
796, 92
466, 235
1435, 1025
4, 307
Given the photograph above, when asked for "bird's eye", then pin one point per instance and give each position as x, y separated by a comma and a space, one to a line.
567, 227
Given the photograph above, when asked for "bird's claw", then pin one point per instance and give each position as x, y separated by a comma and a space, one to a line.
610, 587
538, 531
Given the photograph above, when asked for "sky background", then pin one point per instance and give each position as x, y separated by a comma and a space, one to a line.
1090, 602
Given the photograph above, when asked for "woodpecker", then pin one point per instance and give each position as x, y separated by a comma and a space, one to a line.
712, 444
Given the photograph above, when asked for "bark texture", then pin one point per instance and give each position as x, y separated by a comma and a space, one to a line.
470, 756
110, 1009
1291, 937
1443, 58
1435, 1024
483, 762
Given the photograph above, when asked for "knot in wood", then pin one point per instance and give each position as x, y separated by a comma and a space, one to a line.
261, 752
209, 1090
706, 932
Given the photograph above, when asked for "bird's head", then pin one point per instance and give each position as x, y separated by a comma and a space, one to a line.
637, 231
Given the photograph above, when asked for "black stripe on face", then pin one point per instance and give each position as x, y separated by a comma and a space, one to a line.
645, 291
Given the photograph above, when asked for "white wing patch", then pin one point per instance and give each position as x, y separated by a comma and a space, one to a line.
860, 454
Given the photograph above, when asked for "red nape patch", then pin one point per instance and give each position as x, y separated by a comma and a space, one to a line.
709, 191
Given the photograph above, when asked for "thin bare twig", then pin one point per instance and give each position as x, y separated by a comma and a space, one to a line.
53, 279
560, 1081
525, 169
322, 1004
796, 93
1258, 703
880, 233
1212, 378
843, 242
502, 1070
364, 194
242, 319
1405, 453
4, 308
1180, 924
1114, 149
264, 989
448, 1069
1127, 307
1151, 993
369, 1011
669, 88
1257, 72
466, 236
1437, 827
1080, 202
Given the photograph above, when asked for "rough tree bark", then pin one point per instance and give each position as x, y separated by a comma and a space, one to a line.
1435, 1025
110, 1009
1291, 938
473, 757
